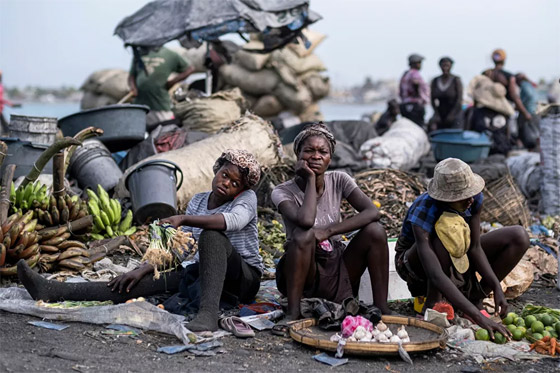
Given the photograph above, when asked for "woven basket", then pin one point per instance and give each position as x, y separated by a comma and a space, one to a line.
504, 203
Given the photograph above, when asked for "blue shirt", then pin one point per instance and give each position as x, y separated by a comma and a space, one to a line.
425, 212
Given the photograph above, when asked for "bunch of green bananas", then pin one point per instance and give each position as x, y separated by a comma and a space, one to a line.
33, 195
107, 216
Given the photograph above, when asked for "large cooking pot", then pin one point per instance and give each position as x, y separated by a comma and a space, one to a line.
124, 125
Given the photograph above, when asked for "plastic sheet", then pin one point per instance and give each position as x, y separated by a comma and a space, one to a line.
141, 315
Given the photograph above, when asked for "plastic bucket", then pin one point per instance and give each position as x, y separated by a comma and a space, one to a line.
153, 189
24, 154
38, 130
92, 164
468, 146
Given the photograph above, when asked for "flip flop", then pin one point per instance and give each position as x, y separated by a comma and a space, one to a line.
282, 328
236, 326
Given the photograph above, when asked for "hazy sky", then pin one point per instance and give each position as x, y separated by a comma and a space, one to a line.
55, 42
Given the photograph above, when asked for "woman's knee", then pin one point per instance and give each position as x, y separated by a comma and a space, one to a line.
375, 232
303, 239
214, 239
519, 238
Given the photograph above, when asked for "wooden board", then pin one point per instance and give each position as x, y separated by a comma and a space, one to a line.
424, 336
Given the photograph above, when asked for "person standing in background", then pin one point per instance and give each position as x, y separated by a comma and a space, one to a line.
446, 97
149, 84
413, 91
4, 101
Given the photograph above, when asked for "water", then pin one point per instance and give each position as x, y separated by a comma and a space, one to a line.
331, 110
42, 109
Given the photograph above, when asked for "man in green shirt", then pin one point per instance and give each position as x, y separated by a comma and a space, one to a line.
149, 81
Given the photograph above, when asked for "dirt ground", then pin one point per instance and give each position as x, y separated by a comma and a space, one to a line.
85, 348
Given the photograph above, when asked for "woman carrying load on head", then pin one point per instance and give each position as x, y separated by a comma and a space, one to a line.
224, 224
316, 262
440, 247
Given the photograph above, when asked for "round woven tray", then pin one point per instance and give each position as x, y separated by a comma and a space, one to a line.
424, 336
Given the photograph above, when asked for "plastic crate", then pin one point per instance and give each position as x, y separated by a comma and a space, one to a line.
468, 146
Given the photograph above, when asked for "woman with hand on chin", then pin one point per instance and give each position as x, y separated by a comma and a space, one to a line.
316, 263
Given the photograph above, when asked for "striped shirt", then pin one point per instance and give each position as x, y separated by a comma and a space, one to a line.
240, 216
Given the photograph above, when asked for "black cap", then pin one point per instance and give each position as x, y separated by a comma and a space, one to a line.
414, 58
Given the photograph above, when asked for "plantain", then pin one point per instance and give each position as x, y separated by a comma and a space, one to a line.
23, 238
82, 213
3, 252
61, 203
129, 231
55, 241
29, 227
7, 241
48, 249
12, 271
28, 252
74, 212
116, 210
93, 207
68, 201
110, 231
92, 196
47, 233
72, 252
48, 218
81, 259
96, 236
126, 222
65, 215
105, 218
72, 264
98, 222
55, 215
15, 231
71, 243
33, 238
49, 258
10, 221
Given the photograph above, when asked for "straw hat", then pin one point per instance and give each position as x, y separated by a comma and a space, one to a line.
455, 235
454, 181
491, 95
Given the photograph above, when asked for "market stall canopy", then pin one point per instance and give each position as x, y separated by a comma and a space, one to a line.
194, 21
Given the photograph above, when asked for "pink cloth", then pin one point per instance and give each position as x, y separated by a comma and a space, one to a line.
350, 324
407, 90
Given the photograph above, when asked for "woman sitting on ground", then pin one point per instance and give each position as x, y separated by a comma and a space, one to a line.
440, 247
224, 224
316, 262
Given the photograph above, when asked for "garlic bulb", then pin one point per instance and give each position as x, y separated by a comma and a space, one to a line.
375, 332
335, 337
402, 333
388, 333
352, 339
382, 326
359, 333
395, 339
381, 338
405, 340
369, 335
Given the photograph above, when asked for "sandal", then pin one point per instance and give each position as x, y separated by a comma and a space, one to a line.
236, 326
282, 328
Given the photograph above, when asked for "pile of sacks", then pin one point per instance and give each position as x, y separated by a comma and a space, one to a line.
286, 79
104, 87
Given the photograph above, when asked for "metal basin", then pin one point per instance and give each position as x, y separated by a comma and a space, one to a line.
124, 125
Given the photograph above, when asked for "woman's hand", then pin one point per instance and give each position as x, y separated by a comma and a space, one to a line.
130, 279
500, 302
174, 220
303, 170
492, 327
322, 234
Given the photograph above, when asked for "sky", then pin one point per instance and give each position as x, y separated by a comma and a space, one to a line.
51, 43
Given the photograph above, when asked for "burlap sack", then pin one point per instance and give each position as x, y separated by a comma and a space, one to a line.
250, 132
295, 100
312, 114
251, 60
253, 82
314, 37
300, 65
91, 100
317, 84
110, 82
194, 56
267, 106
210, 114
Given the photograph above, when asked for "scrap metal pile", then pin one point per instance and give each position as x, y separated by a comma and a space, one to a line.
392, 191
